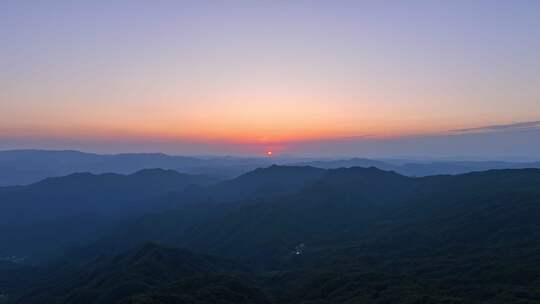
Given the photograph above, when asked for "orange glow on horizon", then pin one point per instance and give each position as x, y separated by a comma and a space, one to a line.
237, 136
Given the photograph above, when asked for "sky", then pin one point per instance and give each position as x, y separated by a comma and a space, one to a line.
371, 78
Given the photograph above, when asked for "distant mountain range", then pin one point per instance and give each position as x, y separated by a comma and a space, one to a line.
411, 168
22, 167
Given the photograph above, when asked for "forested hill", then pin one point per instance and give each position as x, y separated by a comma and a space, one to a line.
355, 235
46, 217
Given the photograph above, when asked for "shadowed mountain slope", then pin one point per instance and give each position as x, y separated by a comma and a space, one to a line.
58, 212
81, 193
347, 206
357, 235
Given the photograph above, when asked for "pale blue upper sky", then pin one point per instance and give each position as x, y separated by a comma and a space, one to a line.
221, 76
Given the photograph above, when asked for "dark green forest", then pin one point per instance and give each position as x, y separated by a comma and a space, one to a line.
287, 235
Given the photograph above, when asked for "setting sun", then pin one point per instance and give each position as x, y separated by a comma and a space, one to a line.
269, 153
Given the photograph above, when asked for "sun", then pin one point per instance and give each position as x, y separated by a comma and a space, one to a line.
269, 153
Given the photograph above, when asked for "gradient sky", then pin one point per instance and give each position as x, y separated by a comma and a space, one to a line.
242, 77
